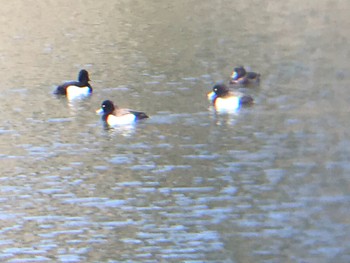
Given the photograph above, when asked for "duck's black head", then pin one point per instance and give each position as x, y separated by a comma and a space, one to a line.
83, 76
220, 90
107, 106
238, 72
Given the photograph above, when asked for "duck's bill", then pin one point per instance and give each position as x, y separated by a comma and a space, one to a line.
99, 111
234, 75
211, 96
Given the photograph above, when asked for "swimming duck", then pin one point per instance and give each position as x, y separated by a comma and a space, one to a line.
74, 89
115, 116
225, 100
240, 76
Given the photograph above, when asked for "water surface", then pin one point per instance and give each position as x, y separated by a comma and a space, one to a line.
266, 184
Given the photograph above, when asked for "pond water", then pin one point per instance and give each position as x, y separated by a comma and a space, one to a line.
269, 183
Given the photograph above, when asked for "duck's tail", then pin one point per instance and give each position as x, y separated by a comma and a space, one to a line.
60, 90
246, 100
140, 115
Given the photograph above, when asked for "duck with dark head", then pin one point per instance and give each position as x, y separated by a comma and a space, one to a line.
76, 89
114, 116
224, 99
240, 76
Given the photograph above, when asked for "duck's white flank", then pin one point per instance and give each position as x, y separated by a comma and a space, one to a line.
77, 92
125, 119
227, 104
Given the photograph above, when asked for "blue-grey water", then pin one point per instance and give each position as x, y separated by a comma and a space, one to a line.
269, 183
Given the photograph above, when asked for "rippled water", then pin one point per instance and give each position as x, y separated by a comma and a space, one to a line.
267, 184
